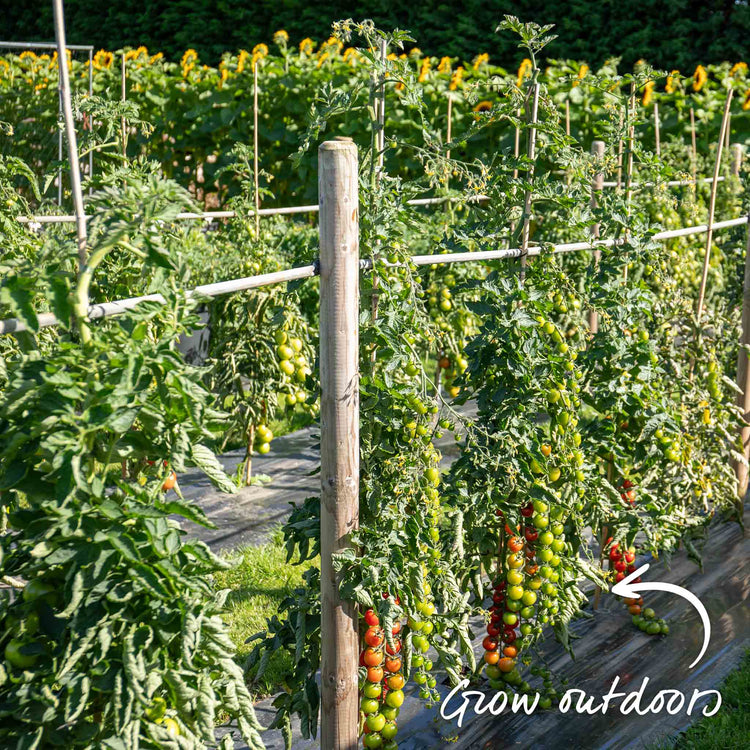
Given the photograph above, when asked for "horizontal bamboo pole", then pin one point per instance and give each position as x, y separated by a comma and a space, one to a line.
106, 309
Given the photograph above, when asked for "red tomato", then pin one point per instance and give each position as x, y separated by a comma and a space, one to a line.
489, 643
374, 637
393, 651
371, 618
531, 534
515, 544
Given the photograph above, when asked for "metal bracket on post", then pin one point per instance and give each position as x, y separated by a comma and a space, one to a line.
339, 433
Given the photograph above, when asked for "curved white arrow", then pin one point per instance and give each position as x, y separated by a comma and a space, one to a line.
630, 590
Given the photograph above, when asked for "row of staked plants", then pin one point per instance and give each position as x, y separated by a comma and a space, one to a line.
628, 429
112, 632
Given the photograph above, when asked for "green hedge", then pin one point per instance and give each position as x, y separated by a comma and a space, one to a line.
679, 34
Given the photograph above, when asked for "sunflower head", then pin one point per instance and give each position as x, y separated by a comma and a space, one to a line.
261, 50
672, 81
524, 69
699, 78
648, 93
424, 69
480, 60
187, 62
483, 106
415, 53
306, 46
582, 71
103, 60
351, 56
738, 69
445, 65
280, 38
456, 78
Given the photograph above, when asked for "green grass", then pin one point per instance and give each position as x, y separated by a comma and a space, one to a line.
259, 580
730, 727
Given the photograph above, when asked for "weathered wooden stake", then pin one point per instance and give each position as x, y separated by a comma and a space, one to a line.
123, 96
694, 149
597, 184
657, 129
737, 153
255, 148
712, 205
743, 378
339, 443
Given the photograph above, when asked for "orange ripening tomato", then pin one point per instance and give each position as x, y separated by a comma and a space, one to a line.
510, 651
375, 674
373, 658
393, 664
169, 482
515, 544
491, 657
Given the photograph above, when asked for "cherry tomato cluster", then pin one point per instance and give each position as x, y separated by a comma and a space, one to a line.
382, 689
294, 365
623, 562
627, 492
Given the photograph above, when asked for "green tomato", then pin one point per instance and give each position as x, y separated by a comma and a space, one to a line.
389, 730
370, 705
514, 605
390, 713
545, 554
526, 629
510, 618
529, 598
649, 613
372, 740
514, 593
534, 583
541, 522
527, 612
375, 722
546, 538
558, 545
38, 589
395, 698
372, 690
514, 577
16, 657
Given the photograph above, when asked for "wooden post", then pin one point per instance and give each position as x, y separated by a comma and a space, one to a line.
743, 377
712, 206
619, 153
567, 118
339, 434
737, 153
255, 149
597, 184
657, 129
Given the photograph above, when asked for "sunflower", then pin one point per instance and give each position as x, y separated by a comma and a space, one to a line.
456, 78
581, 74
322, 57
739, 68
480, 60
424, 69
484, 106
27, 53
523, 71
155, 58
746, 102
280, 37
261, 50
648, 93
244, 54
103, 60
306, 46
223, 74
445, 65
351, 56
415, 53
187, 62
672, 81
699, 78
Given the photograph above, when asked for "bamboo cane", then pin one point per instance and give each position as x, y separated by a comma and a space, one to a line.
70, 132
528, 196
712, 204
256, 140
